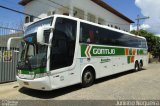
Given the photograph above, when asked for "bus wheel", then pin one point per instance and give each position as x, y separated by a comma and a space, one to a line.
141, 65
87, 78
136, 67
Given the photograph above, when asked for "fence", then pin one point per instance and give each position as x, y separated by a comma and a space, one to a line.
8, 59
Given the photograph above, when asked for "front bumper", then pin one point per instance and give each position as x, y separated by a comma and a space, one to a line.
38, 84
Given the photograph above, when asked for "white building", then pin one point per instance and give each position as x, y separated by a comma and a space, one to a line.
92, 10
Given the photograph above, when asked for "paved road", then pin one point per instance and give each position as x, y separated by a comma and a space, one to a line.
142, 85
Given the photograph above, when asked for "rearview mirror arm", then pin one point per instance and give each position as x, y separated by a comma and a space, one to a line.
9, 41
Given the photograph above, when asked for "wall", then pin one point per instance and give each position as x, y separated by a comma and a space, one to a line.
8, 70
41, 7
8, 60
110, 18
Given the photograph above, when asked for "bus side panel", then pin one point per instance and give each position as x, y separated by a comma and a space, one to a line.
59, 80
144, 59
106, 66
66, 76
93, 62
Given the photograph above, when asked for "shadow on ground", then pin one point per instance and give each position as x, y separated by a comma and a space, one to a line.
66, 90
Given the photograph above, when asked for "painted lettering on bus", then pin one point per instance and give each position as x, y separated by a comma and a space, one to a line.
103, 51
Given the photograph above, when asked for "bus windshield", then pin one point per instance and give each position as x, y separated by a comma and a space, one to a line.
34, 55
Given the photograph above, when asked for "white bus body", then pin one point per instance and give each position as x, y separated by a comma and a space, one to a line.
60, 51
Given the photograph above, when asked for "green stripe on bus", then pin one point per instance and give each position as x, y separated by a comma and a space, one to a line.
83, 49
130, 51
128, 59
36, 71
140, 52
109, 51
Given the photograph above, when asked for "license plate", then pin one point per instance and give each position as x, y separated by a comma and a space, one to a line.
26, 83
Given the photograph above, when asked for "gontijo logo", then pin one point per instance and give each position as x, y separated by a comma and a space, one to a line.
103, 51
98, 51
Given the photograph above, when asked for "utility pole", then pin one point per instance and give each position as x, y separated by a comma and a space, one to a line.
138, 21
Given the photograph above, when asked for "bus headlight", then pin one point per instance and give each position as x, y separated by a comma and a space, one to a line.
31, 75
41, 75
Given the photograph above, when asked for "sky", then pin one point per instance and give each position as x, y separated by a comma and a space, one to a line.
152, 9
126, 7
9, 18
143, 8
130, 8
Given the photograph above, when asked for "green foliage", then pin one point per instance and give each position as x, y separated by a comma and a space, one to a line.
152, 40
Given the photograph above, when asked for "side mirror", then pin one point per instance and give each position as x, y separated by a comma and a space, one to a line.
40, 35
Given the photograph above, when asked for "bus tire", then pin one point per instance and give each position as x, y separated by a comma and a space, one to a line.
88, 78
136, 66
141, 65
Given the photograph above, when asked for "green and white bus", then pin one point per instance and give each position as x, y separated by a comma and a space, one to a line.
60, 51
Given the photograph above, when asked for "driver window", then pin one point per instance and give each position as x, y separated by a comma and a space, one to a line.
63, 43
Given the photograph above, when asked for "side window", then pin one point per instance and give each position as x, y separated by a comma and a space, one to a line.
80, 37
108, 37
97, 35
87, 33
63, 43
102, 36
143, 43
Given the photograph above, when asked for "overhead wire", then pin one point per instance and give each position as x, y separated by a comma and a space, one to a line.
7, 8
